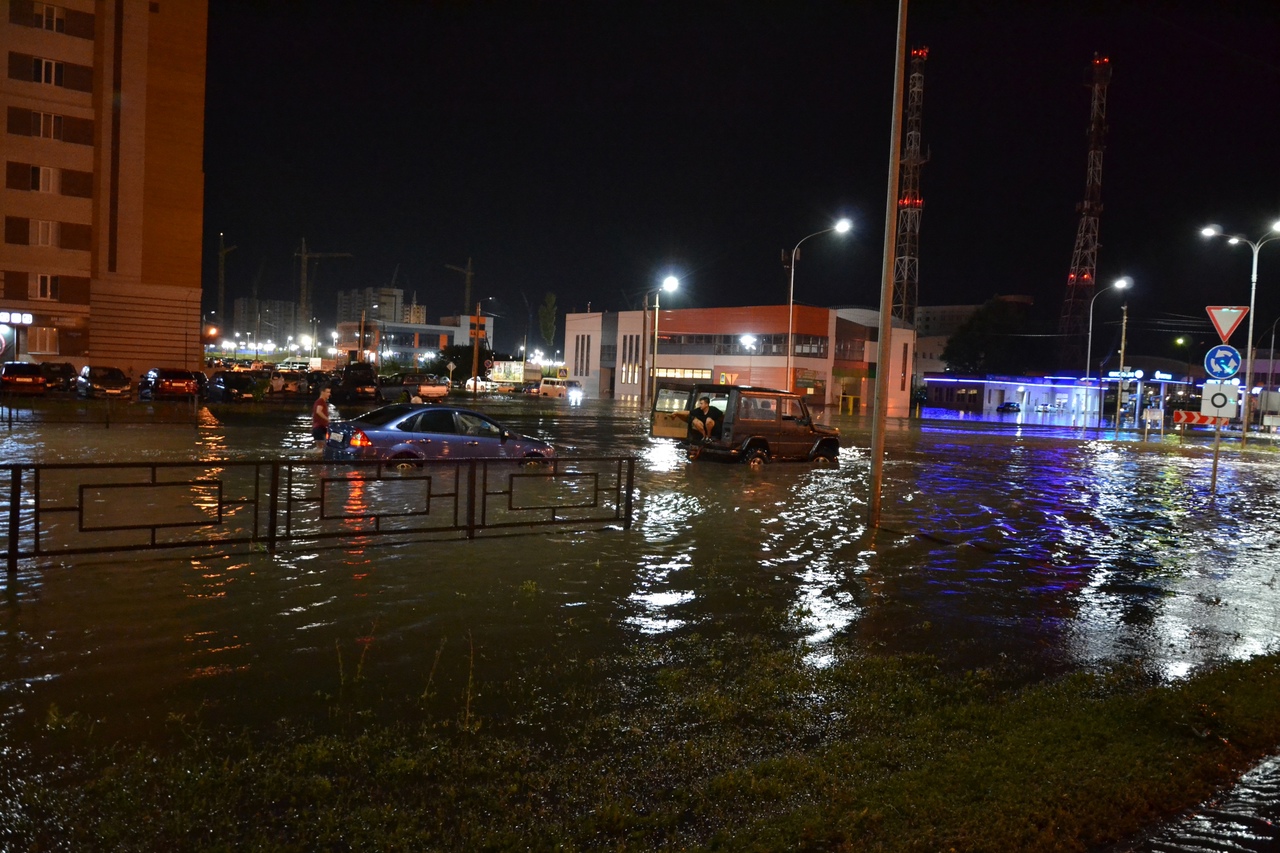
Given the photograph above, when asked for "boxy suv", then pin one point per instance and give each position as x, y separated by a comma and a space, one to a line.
752, 425
21, 377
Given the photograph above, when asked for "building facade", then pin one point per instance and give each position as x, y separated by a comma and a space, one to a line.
833, 361
103, 106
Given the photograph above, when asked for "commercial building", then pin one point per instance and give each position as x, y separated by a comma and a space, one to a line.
103, 106
833, 359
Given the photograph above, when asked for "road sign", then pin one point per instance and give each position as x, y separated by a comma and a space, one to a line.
1195, 418
1226, 319
1219, 400
1222, 362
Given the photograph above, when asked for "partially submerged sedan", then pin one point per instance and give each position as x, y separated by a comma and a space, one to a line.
752, 425
410, 433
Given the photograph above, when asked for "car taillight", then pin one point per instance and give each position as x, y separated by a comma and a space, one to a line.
359, 439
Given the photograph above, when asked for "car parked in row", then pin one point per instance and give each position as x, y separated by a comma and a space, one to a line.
400, 387
98, 382
358, 383
21, 377
59, 376
167, 383
1009, 406
411, 433
232, 386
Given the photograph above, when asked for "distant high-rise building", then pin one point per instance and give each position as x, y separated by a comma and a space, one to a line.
272, 320
371, 303
103, 199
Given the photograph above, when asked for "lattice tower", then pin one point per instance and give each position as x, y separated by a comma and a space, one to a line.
906, 259
1074, 321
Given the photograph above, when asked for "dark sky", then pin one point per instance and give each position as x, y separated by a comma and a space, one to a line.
586, 149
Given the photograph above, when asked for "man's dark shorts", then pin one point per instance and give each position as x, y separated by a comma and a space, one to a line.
320, 433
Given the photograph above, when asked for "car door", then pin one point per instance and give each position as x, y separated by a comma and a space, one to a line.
432, 434
795, 437
671, 407
479, 437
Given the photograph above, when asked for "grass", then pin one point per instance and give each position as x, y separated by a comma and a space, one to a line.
729, 743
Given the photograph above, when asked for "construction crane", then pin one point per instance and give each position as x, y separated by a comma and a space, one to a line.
906, 259
304, 296
1074, 321
468, 273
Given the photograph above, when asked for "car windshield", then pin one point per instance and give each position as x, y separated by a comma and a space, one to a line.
107, 374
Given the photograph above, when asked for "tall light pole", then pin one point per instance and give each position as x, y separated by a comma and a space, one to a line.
1120, 284
1123, 381
669, 284
1256, 245
840, 227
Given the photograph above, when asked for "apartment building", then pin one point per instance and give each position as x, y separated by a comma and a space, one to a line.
103, 137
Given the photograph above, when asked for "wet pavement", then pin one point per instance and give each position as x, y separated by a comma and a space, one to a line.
1004, 543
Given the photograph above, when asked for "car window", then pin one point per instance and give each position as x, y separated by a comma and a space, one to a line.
383, 416
435, 420
21, 368
475, 425
758, 408
791, 409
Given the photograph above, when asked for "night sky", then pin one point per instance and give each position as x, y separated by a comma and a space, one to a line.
587, 149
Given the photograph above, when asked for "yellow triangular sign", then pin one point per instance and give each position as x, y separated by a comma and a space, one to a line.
1226, 319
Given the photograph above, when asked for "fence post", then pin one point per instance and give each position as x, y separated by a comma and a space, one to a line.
15, 497
273, 504
471, 499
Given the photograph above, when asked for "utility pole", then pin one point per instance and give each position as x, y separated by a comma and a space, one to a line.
304, 297
467, 273
475, 347
223, 251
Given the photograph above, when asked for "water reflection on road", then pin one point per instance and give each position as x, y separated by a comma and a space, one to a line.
1050, 550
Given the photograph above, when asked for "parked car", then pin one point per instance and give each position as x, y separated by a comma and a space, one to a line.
358, 383
172, 382
22, 377
98, 381
480, 384
232, 386
411, 433
1009, 406
58, 375
402, 386
752, 425
289, 382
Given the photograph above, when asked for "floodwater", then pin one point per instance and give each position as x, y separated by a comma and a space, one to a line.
1048, 548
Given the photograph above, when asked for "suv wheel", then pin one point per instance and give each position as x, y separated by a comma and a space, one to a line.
823, 461
756, 458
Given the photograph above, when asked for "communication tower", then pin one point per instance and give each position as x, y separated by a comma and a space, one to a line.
1074, 321
906, 259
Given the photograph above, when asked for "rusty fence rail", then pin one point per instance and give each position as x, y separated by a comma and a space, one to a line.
61, 510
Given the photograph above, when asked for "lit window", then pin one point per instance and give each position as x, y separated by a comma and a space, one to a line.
42, 339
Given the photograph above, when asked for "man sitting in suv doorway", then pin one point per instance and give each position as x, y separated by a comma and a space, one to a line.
705, 420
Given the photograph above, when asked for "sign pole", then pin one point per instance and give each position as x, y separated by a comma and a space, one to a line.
1213, 481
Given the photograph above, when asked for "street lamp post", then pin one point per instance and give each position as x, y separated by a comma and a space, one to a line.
1123, 382
1256, 246
1120, 284
840, 227
669, 284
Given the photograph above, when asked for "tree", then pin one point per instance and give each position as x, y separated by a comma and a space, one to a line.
997, 339
547, 320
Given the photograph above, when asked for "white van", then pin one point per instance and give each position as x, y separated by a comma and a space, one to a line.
553, 387
294, 364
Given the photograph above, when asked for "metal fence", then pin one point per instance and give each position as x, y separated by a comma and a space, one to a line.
62, 510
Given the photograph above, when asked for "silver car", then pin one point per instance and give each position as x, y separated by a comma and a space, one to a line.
412, 433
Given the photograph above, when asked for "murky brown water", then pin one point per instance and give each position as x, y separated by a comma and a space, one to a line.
1045, 550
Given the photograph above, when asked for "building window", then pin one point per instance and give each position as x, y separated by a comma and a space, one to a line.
46, 287
46, 71
47, 125
42, 179
49, 17
44, 233
42, 339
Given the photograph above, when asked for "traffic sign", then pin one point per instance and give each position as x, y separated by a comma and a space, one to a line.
1219, 400
1226, 319
1195, 418
1222, 362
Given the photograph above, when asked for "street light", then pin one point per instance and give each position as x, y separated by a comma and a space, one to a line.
749, 341
840, 227
1256, 245
1120, 284
669, 284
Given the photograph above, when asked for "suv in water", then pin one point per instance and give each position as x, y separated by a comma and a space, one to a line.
752, 425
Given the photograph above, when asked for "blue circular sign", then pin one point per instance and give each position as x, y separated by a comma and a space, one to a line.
1222, 362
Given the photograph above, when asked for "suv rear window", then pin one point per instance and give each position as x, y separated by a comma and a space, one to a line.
21, 368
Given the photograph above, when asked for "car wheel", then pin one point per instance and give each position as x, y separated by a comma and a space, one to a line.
756, 459
694, 451
534, 461
405, 464
823, 461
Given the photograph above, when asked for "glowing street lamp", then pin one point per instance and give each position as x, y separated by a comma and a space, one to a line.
1256, 245
840, 227
1120, 284
669, 284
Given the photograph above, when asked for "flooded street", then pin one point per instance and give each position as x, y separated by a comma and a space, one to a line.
1036, 551
1045, 551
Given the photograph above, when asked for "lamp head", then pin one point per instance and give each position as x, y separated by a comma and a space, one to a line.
747, 341
1275, 226
1211, 231
670, 283
844, 225
1123, 283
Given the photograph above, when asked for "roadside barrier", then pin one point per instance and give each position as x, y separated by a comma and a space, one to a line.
61, 510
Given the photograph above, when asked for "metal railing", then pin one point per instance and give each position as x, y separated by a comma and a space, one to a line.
62, 510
